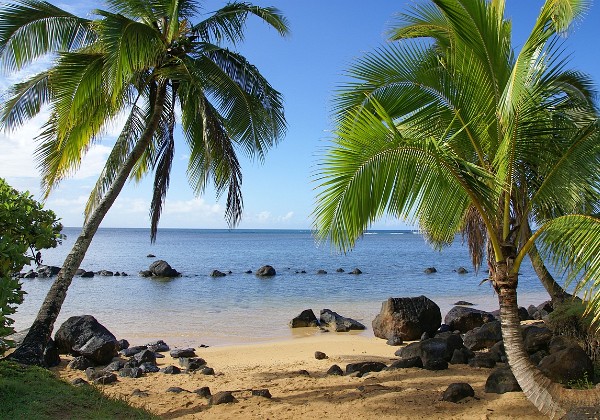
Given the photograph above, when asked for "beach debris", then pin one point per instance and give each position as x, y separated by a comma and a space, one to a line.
339, 270
307, 318
501, 380
261, 393
430, 270
405, 363
158, 346
176, 390
319, 355
80, 363
187, 352
362, 368
355, 271
266, 271
461, 270
79, 382
139, 393
335, 370
407, 318
171, 370
465, 319
84, 335
335, 322
222, 397
162, 268
321, 272
483, 337
217, 273
394, 340
203, 392
458, 391
463, 303
482, 361
151, 256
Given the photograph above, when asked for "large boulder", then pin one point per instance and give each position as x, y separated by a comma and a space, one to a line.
266, 271
501, 380
335, 322
407, 318
162, 268
440, 347
536, 338
77, 331
306, 318
568, 365
99, 350
483, 337
465, 319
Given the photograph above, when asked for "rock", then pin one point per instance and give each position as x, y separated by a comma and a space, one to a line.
582, 413
560, 342
461, 356
158, 346
411, 362
79, 271
30, 275
139, 393
131, 351
465, 319
203, 392
568, 365
79, 382
106, 273
80, 363
458, 391
306, 318
176, 390
123, 344
501, 380
87, 274
407, 318
76, 331
537, 357
339, 270
266, 271
162, 268
117, 273
114, 366
356, 271
303, 372
223, 397
435, 364
333, 321
319, 355
261, 393
51, 357
248, 271
134, 372
410, 350
145, 273
461, 270
394, 341
149, 367
150, 256
364, 367
171, 370
444, 328
207, 370
482, 361
440, 347
192, 363
430, 270
145, 356
483, 337
536, 338
217, 273
498, 352
425, 336
48, 270
107, 378
321, 272
523, 314
176, 353
335, 370
463, 303
99, 349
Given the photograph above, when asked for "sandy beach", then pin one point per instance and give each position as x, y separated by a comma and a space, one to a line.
401, 394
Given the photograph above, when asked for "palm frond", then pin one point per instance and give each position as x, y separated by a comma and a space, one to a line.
25, 100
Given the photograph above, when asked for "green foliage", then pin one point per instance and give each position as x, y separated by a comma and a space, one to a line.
583, 383
35, 393
24, 227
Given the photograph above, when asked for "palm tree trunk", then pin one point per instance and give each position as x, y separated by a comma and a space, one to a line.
31, 350
548, 397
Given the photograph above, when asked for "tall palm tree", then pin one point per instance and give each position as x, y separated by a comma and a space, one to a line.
460, 133
142, 59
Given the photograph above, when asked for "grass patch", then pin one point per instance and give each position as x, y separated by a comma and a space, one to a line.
28, 392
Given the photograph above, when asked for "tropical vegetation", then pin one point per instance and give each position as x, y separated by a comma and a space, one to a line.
145, 62
25, 228
453, 129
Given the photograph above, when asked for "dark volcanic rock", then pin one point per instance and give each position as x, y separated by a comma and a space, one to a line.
410, 350
335, 322
207, 370
465, 319
76, 332
131, 351
356, 271
394, 341
158, 346
536, 338
435, 364
458, 391
145, 273
192, 363
123, 344
171, 370
51, 357
463, 303
441, 346
88, 274
306, 318
335, 370
321, 272
203, 392
149, 367
114, 366
176, 390
501, 380
567, 365
176, 353
162, 268
145, 356
319, 355
364, 367
80, 363
430, 270
411, 362
79, 382
266, 271
217, 273
498, 352
261, 393
482, 361
483, 337
99, 350
223, 397
461, 270
105, 379
407, 318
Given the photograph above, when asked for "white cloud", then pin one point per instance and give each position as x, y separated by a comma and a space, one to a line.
197, 206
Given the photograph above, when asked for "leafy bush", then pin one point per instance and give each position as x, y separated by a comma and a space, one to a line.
24, 227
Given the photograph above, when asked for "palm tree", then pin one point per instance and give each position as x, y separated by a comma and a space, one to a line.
460, 133
142, 59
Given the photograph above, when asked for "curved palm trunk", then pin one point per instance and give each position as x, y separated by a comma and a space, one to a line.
31, 351
548, 397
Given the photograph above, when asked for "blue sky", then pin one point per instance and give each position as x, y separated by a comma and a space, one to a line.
306, 67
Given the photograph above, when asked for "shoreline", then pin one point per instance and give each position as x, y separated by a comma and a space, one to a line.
300, 387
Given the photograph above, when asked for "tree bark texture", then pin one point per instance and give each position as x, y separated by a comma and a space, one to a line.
31, 350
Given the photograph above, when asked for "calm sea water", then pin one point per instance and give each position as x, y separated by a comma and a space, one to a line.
242, 308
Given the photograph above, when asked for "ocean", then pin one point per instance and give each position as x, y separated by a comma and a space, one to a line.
242, 308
